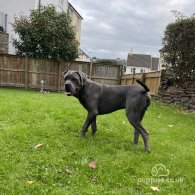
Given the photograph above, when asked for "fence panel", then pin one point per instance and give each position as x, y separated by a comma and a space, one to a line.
152, 80
12, 71
43, 69
107, 74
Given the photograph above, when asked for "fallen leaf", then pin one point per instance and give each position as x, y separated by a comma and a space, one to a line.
92, 164
38, 146
170, 126
29, 182
69, 171
155, 189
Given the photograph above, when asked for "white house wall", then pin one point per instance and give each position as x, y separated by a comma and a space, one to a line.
61, 5
14, 8
22, 7
76, 22
137, 69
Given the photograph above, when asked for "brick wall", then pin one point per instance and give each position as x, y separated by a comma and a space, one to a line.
4, 42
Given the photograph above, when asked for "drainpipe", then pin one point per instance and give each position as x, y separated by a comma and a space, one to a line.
39, 6
5, 22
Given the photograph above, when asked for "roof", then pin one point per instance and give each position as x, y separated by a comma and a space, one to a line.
70, 5
83, 53
139, 60
155, 63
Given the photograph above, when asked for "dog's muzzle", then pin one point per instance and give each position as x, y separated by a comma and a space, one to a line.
68, 89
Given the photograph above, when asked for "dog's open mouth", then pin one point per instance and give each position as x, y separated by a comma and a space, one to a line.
68, 93
68, 90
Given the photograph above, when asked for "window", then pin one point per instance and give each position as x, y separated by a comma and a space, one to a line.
124, 68
61, 2
133, 70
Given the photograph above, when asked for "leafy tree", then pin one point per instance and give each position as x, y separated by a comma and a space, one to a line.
107, 61
46, 33
179, 48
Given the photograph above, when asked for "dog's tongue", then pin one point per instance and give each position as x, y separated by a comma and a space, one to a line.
67, 93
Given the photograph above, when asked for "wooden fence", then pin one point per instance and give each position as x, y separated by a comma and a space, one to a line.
152, 80
26, 72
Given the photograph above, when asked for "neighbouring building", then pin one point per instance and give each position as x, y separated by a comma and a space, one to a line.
4, 37
141, 63
76, 20
83, 56
12, 8
161, 62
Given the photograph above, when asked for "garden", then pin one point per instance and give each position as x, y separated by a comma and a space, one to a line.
42, 153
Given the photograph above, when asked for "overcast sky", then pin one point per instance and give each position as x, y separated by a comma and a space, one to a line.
110, 28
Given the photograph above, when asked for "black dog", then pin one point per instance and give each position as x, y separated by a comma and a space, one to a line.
101, 99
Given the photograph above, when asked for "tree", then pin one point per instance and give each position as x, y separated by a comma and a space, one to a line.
107, 61
46, 33
179, 48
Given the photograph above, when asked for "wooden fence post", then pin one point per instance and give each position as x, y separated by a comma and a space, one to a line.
125, 80
143, 77
26, 72
59, 77
120, 69
90, 70
133, 80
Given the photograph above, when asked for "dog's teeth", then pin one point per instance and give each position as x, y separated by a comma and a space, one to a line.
67, 93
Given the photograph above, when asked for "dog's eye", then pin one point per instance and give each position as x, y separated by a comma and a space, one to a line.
73, 79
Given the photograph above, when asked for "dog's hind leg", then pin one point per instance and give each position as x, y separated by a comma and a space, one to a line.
144, 134
139, 128
135, 121
136, 132
136, 136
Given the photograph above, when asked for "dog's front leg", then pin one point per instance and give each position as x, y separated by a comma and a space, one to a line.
93, 127
90, 117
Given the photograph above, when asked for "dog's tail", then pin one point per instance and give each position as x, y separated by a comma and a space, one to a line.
143, 85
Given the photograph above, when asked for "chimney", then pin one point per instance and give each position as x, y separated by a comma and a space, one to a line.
4, 42
131, 52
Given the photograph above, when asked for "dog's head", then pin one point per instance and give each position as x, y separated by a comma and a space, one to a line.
73, 81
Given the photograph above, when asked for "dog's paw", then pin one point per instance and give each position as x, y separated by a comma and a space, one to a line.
82, 134
147, 150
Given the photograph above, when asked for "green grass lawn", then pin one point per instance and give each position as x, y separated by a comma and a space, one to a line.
61, 164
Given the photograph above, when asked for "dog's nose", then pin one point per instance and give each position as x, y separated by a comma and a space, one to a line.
67, 84
67, 87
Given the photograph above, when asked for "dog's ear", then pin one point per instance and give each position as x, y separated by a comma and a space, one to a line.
64, 72
82, 77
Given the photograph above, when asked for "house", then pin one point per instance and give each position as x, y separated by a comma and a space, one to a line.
155, 64
141, 63
162, 62
83, 57
76, 20
12, 8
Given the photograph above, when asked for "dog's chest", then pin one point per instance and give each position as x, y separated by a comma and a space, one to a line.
83, 101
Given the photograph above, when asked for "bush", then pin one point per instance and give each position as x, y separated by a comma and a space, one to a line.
179, 49
46, 34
